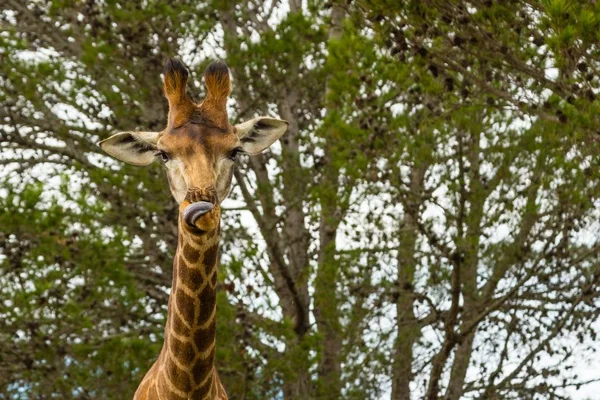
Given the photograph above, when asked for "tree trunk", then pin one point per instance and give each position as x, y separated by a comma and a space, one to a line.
326, 296
462, 358
408, 330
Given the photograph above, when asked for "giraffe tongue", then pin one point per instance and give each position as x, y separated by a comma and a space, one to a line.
195, 211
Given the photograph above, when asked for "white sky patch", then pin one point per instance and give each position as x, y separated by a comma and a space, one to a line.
69, 113
398, 109
552, 73
279, 12
194, 52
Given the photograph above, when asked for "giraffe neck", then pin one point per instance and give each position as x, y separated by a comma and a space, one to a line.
189, 348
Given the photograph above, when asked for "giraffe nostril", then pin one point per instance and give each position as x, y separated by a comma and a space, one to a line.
195, 195
195, 211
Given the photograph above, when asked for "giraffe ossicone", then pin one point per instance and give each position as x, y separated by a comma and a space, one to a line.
199, 148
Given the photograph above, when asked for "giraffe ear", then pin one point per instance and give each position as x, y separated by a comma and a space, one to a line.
137, 148
259, 133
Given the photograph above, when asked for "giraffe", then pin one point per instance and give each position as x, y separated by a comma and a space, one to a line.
199, 148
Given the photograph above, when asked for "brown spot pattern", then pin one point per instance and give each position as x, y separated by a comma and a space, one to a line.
207, 304
184, 351
178, 377
178, 326
210, 258
203, 390
204, 338
174, 396
185, 306
192, 278
191, 255
202, 368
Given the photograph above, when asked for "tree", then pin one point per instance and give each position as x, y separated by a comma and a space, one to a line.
427, 227
496, 182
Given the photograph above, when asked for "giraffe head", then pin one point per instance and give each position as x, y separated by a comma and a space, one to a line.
198, 147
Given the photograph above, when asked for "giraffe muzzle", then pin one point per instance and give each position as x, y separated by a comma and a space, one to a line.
195, 211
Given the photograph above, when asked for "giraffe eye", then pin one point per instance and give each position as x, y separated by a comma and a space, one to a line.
163, 156
234, 154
